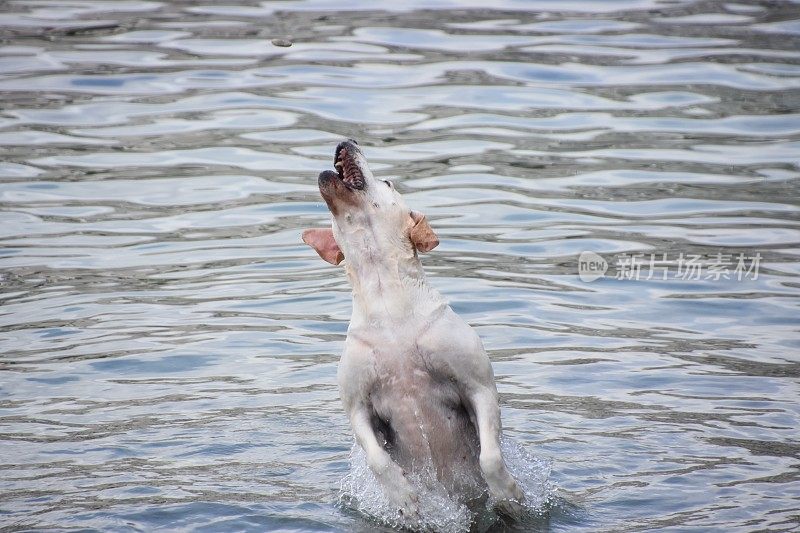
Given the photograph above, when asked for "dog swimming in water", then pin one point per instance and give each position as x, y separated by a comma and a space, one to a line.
414, 378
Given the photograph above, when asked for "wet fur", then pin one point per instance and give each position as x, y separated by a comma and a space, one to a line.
414, 378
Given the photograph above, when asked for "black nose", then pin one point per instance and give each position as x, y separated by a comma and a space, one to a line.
327, 175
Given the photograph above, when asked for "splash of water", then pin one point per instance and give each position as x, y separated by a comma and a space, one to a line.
438, 512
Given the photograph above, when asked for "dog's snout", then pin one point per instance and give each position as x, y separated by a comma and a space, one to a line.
326, 176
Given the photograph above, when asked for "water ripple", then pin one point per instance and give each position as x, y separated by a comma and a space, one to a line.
169, 346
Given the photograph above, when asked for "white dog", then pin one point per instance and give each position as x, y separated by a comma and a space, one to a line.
414, 378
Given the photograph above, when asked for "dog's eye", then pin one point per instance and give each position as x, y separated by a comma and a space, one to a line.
389, 183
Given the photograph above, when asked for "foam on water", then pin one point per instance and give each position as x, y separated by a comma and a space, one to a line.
361, 491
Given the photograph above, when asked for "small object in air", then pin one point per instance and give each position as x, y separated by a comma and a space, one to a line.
282, 42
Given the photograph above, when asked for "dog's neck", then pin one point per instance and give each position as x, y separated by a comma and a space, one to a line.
390, 289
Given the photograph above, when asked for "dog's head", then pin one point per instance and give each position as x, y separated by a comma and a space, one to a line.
369, 215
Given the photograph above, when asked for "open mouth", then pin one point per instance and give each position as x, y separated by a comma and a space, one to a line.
345, 164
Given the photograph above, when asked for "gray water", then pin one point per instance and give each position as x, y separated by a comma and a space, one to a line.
169, 346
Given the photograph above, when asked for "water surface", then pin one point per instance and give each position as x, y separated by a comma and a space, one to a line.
169, 346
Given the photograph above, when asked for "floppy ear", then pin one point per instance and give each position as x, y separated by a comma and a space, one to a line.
325, 245
422, 236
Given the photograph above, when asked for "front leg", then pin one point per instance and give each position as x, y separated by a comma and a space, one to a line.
389, 474
502, 486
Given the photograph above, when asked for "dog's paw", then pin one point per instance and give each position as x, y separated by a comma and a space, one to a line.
403, 498
399, 491
508, 498
408, 505
509, 509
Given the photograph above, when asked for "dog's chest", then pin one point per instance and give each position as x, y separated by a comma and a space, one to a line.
412, 392
420, 419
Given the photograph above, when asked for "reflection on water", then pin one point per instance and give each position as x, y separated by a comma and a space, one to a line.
169, 347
